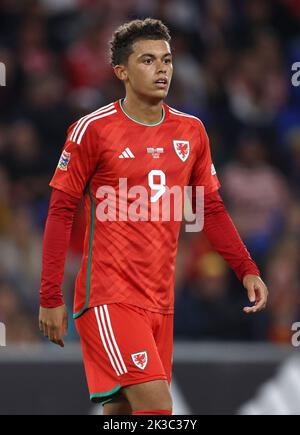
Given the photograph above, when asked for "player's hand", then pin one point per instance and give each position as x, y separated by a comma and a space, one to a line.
257, 293
53, 323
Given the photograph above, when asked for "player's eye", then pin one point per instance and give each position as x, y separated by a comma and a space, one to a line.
147, 61
168, 60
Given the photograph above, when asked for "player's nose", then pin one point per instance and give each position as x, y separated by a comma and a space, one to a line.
162, 68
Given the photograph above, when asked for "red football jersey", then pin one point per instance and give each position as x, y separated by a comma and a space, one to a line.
133, 260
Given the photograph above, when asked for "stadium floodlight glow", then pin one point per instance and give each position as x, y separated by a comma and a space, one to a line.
2, 334
2, 74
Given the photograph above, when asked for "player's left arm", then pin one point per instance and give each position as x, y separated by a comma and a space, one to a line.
225, 239
221, 231
257, 293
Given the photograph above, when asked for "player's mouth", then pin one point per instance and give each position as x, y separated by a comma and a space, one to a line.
161, 83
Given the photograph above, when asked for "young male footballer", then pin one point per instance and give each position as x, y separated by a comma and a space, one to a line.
124, 294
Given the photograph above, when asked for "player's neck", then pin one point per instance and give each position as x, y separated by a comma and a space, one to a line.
143, 111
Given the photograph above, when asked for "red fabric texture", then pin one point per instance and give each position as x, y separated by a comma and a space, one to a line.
224, 238
57, 232
124, 345
218, 228
122, 259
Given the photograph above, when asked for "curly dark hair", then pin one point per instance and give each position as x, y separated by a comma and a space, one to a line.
124, 37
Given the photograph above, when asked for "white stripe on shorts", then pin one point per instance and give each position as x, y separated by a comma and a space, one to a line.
113, 338
104, 342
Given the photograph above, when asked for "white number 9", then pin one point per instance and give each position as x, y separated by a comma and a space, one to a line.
160, 187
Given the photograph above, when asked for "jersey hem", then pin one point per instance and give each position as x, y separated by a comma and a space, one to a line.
96, 304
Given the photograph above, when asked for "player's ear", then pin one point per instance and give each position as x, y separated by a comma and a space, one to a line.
121, 72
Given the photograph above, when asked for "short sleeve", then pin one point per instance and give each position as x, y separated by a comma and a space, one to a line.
77, 163
203, 172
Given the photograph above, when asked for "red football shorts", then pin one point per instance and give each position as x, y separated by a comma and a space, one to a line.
124, 345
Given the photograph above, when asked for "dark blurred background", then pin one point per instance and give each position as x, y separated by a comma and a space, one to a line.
233, 63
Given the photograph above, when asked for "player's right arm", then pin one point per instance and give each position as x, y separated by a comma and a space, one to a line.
54, 323
53, 320
78, 162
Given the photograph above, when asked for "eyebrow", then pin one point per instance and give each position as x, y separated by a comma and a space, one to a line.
152, 55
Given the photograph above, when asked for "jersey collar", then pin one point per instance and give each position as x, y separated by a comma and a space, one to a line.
142, 123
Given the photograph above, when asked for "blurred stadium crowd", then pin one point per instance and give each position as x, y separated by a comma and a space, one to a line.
233, 63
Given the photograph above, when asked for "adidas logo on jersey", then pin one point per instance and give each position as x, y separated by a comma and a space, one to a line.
126, 154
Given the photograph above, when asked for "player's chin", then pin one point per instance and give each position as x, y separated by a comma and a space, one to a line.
160, 93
